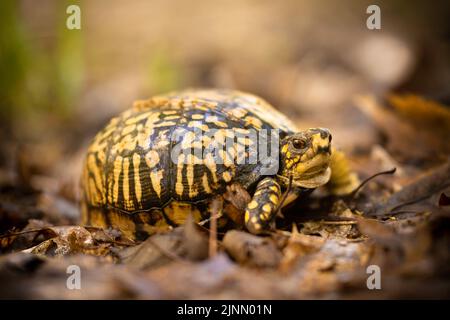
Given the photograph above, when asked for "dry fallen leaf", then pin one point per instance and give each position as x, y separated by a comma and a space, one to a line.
417, 130
251, 250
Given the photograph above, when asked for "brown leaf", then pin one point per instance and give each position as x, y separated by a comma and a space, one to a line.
298, 246
416, 129
195, 241
70, 240
185, 243
251, 250
157, 250
422, 188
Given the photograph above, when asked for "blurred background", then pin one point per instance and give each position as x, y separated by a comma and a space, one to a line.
309, 59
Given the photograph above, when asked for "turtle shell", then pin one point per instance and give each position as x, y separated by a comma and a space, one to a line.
131, 165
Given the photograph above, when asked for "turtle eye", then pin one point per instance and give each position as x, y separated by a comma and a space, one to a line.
299, 143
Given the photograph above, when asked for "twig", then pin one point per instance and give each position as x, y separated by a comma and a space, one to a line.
339, 222
201, 225
216, 210
23, 232
352, 195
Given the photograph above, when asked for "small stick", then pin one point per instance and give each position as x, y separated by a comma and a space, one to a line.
354, 192
12, 234
339, 223
215, 210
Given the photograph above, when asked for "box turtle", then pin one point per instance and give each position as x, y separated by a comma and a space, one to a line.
154, 165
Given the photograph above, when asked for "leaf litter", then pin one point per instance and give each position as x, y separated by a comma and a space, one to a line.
320, 249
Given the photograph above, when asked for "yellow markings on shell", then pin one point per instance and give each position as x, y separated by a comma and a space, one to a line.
127, 143
138, 118
247, 216
137, 180
188, 138
266, 208
105, 133
226, 176
156, 177
190, 180
143, 137
216, 121
174, 117
93, 193
249, 120
127, 114
126, 183
193, 159
101, 156
242, 131
246, 141
151, 227
198, 124
169, 112
152, 158
117, 170
197, 116
206, 140
179, 182
178, 212
205, 183
128, 129
219, 137
162, 140
98, 146
273, 198
252, 204
197, 144
231, 156
141, 104
94, 169
238, 112
226, 159
165, 124
123, 223
97, 219
151, 119
161, 144
229, 134
203, 108
211, 165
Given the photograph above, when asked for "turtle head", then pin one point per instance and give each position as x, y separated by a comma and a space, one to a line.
306, 156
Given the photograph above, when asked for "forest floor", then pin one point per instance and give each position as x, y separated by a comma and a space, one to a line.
324, 247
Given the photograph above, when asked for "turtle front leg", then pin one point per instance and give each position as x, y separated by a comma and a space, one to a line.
261, 210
